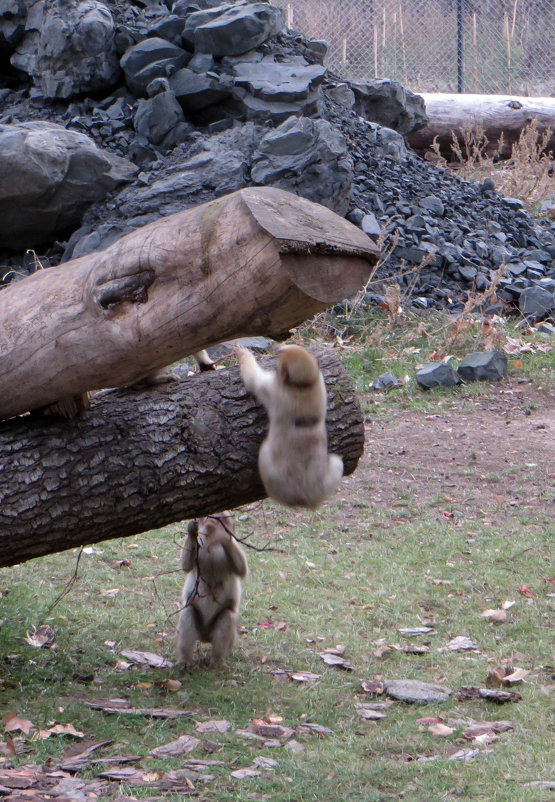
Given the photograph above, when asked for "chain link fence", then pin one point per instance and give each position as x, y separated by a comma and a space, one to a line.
491, 46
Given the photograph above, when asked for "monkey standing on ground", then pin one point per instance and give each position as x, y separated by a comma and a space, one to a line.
215, 565
293, 461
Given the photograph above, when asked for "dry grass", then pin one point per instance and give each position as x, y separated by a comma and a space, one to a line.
528, 175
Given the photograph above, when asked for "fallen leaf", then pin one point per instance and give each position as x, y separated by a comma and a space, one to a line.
336, 661
171, 684
515, 677
309, 728
120, 564
305, 676
430, 720
41, 636
146, 658
440, 729
123, 706
183, 745
266, 763
461, 644
495, 677
372, 686
381, 650
472, 692
7, 747
220, 725
60, 729
368, 713
507, 604
412, 632
547, 785
414, 648
243, 774
339, 650
480, 728
495, 616
12, 723
122, 665
525, 591
109, 592
464, 754
268, 730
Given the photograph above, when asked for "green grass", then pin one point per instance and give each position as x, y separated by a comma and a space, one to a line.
371, 576
352, 573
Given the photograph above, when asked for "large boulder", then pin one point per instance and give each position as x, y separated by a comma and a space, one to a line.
69, 48
219, 167
307, 157
390, 104
232, 29
268, 89
48, 178
197, 91
152, 58
160, 120
13, 14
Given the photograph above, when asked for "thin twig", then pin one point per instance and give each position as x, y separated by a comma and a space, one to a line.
68, 587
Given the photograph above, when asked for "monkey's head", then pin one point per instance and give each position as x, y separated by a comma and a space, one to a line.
192, 529
220, 522
297, 367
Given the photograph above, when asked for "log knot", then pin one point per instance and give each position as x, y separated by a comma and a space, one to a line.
129, 288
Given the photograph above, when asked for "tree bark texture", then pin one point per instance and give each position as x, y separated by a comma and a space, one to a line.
259, 261
495, 114
138, 460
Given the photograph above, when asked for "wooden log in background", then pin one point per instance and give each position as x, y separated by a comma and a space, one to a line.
259, 261
139, 460
495, 114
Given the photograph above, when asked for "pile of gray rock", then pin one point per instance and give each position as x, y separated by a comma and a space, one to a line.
114, 113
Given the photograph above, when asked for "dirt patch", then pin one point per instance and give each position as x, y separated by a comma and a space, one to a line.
482, 454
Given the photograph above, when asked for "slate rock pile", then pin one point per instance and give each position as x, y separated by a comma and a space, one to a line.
114, 113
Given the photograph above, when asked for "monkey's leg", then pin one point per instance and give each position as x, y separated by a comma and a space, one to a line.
187, 635
204, 361
334, 474
223, 636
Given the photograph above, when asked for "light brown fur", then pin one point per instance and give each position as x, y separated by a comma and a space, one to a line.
293, 460
215, 565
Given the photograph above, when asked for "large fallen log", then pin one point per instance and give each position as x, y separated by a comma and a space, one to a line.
138, 460
258, 261
492, 114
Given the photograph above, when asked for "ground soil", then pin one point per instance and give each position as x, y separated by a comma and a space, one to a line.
485, 454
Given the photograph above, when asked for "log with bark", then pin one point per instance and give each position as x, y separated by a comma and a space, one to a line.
259, 261
494, 114
138, 460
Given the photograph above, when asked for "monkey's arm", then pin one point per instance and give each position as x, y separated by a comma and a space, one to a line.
256, 379
189, 554
235, 557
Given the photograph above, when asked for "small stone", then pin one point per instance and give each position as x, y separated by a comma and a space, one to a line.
536, 302
467, 273
546, 328
487, 185
416, 692
385, 382
433, 204
355, 216
483, 366
370, 226
436, 374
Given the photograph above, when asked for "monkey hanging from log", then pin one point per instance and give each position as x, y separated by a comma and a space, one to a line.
216, 565
293, 461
